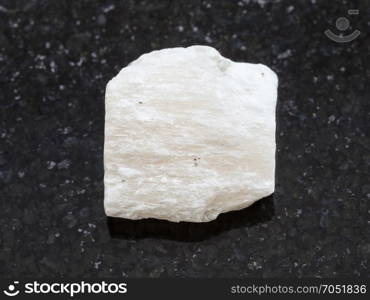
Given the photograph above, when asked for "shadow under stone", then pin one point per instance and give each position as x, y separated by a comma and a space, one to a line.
260, 212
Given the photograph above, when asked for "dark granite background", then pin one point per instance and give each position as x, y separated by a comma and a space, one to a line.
55, 60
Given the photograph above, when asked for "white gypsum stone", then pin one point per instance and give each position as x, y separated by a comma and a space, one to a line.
189, 134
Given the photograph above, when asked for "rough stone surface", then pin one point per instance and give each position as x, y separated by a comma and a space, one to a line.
189, 134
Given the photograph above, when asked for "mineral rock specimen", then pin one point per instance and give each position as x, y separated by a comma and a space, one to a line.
189, 134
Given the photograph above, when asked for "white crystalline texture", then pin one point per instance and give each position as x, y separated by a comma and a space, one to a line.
189, 134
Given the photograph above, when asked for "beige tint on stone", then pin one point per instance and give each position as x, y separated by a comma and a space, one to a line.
189, 134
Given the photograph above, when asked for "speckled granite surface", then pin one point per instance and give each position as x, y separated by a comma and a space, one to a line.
57, 56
